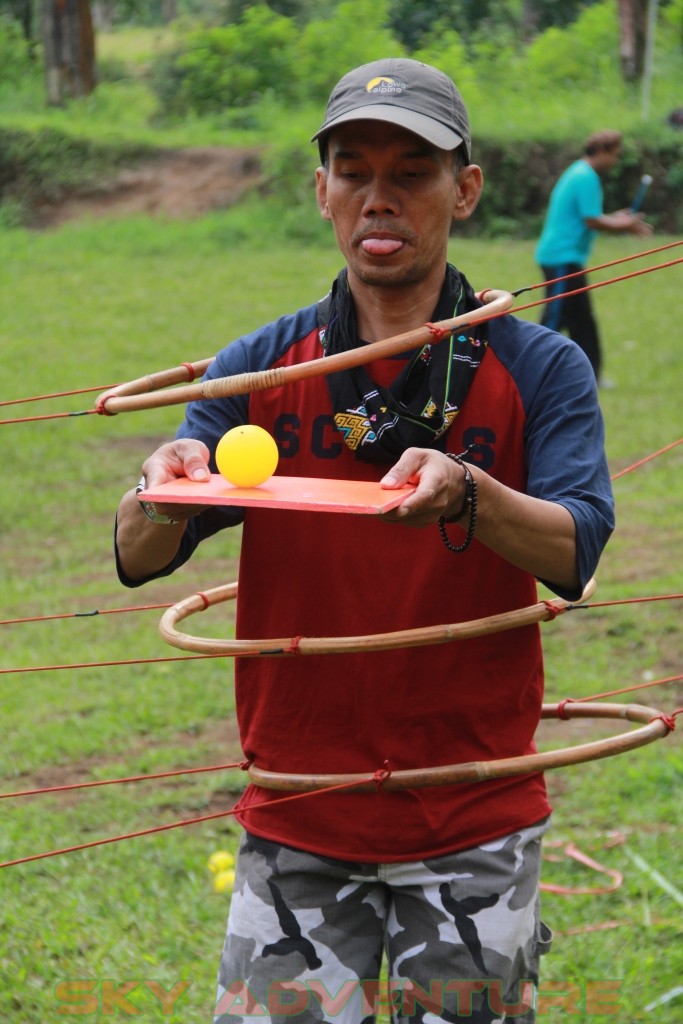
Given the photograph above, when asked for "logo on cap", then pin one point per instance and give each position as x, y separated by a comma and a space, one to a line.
385, 86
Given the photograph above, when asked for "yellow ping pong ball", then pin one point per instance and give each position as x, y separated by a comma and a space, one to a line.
247, 455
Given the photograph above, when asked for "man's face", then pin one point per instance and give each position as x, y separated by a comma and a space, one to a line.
609, 158
391, 198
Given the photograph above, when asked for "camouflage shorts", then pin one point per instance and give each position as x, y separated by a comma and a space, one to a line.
461, 934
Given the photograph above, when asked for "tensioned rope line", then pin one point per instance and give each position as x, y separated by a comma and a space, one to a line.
147, 393
627, 689
600, 266
171, 773
648, 458
588, 287
107, 664
61, 394
377, 779
194, 369
84, 615
184, 371
247, 654
67, 787
168, 604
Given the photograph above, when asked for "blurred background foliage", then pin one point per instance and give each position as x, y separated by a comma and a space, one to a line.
538, 77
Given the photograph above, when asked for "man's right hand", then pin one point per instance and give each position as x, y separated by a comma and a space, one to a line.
145, 548
182, 458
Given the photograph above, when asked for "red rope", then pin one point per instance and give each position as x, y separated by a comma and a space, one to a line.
56, 394
165, 828
84, 615
553, 610
648, 458
598, 284
48, 416
601, 266
381, 776
590, 287
293, 647
625, 600
669, 720
572, 851
109, 664
626, 689
116, 782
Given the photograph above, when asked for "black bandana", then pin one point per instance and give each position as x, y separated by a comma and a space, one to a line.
379, 423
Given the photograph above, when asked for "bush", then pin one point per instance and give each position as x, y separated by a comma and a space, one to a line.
581, 54
15, 56
354, 34
445, 50
233, 66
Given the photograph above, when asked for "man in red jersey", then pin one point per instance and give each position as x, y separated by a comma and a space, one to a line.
500, 430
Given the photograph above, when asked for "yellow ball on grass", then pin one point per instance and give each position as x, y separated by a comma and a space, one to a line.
219, 861
224, 881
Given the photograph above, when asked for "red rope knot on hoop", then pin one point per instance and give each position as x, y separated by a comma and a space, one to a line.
204, 599
190, 371
381, 776
101, 406
245, 765
669, 720
293, 647
438, 332
552, 609
562, 708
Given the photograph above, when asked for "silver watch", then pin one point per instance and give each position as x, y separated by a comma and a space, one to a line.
150, 509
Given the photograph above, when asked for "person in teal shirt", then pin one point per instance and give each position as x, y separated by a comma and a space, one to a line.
573, 220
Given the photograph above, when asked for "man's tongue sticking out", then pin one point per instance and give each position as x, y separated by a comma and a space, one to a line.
381, 246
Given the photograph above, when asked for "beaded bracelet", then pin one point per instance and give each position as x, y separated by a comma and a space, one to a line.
469, 503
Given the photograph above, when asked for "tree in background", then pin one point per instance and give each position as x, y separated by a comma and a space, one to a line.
538, 15
69, 49
632, 38
109, 13
412, 21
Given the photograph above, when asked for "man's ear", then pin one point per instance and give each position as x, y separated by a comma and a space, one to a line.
470, 184
321, 192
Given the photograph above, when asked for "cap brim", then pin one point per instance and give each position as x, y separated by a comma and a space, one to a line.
426, 127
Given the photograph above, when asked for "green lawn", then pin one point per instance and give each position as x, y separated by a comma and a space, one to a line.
93, 304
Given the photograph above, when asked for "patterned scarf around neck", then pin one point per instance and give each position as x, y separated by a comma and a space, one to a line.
378, 423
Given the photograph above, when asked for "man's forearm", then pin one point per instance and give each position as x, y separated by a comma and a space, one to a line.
144, 548
535, 535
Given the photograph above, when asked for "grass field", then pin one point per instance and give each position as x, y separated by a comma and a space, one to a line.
93, 304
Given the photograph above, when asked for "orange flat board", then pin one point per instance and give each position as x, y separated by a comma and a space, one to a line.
293, 492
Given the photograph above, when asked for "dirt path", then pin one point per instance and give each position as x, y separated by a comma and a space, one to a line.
181, 184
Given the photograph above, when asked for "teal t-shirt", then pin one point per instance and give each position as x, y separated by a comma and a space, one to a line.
565, 238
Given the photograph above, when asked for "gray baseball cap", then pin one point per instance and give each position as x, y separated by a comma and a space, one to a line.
416, 96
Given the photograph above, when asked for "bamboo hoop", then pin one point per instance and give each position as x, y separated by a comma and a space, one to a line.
154, 381
421, 637
655, 726
153, 391
654, 723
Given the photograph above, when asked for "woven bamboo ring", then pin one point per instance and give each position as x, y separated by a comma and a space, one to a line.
156, 390
302, 645
655, 725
